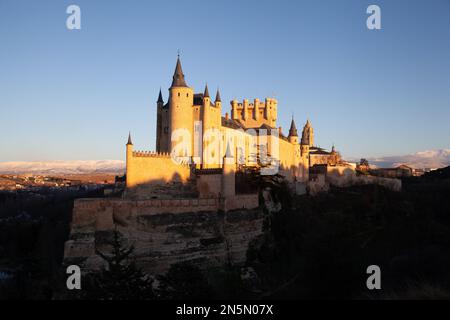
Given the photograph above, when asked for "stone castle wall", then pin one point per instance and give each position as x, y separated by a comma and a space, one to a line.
146, 168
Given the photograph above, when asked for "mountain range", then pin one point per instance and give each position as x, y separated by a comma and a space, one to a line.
424, 159
63, 167
432, 159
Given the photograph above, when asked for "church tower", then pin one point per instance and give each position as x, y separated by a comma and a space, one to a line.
181, 118
306, 142
308, 135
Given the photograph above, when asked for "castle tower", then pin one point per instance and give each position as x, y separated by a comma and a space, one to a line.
212, 121
293, 135
206, 122
297, 160
181, 117
305, 141
228, 174
217, 101
245, 110
129, 155
206, 97
256, 109
234, 112
159, 126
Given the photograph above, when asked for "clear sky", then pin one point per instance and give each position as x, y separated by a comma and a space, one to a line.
75, 94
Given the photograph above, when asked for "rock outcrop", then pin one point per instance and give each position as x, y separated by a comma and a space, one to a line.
163, 231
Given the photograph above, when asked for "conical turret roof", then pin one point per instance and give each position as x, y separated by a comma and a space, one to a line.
293, 129
178, 76
160, 98
218, 96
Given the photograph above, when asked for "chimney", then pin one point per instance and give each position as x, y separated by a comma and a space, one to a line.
226, 115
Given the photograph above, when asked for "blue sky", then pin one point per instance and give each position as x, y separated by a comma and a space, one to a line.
74, 95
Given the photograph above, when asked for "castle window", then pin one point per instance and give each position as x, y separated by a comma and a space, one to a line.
166, 129
178, 94
187, 94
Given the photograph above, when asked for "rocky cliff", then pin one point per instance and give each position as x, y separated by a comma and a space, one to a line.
163, 231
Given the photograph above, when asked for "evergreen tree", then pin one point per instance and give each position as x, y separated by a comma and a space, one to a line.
121, 279
184, 281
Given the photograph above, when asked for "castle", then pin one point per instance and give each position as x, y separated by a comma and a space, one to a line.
184, 201
192, 133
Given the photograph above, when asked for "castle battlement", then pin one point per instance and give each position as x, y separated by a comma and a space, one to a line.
153, 154
268, 102
256, 113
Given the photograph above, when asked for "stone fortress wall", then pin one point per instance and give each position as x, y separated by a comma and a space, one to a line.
150, 167
211, 227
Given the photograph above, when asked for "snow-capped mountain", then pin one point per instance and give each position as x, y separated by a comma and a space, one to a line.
63, 167
423, 159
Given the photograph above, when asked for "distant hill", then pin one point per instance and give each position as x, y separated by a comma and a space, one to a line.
424, 159
63, 167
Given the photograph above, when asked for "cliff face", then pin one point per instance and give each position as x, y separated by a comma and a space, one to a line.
163, 232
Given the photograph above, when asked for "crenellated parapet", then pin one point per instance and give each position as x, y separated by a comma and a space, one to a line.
256, 113
145, 168
153, 154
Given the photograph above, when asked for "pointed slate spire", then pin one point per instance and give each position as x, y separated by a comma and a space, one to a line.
218, 96
206, 94
129, 139
160, 98
293, 129
178, 76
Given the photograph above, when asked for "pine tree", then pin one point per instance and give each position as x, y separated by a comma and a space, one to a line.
121, 279
184, 281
